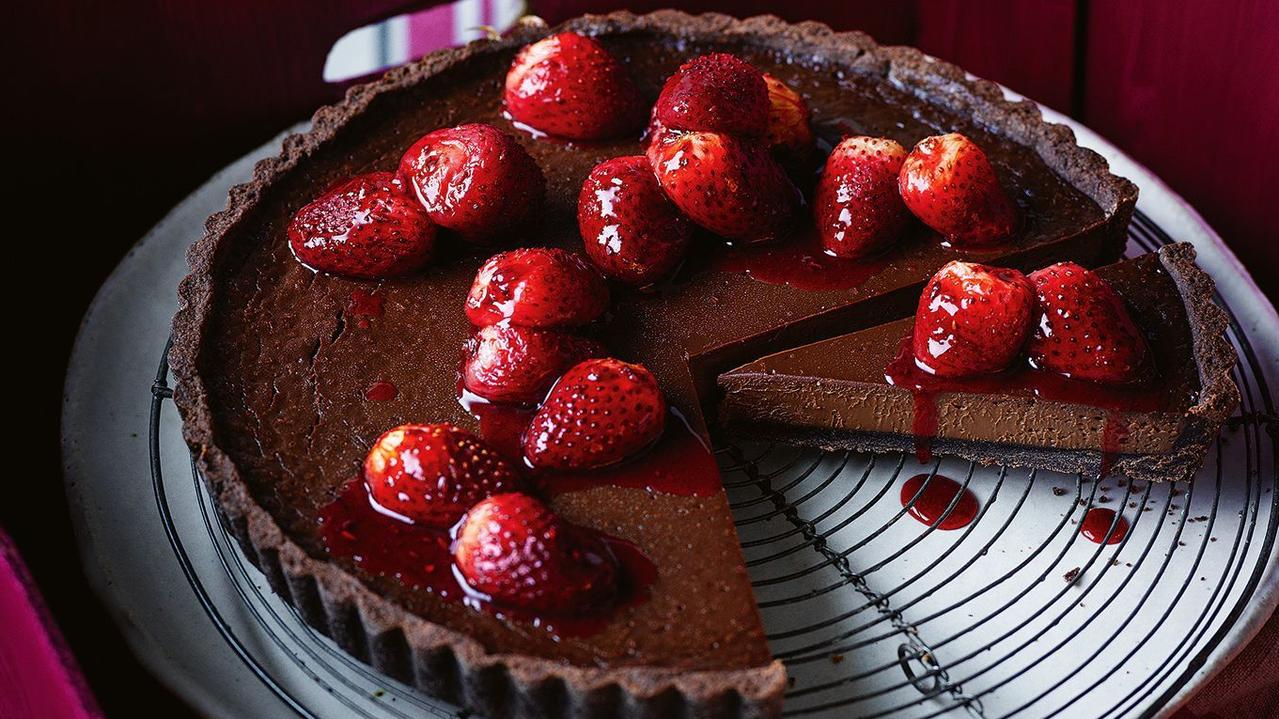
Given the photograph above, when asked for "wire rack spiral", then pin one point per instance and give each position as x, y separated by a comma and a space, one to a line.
876, 614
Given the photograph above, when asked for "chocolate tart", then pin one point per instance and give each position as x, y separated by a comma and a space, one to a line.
861, 391
273, 361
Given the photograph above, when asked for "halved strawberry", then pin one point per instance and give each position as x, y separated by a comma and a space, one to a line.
715, 93
948, 183
788, 133
365, 227
536, 287
631, 230
731, 187
600, 412
569, 86
857, 207
972, 319
474, 179
504, 363
515, 550
1084, 329
431, 474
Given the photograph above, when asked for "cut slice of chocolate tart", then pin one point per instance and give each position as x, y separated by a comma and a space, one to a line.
286, 377
863, 391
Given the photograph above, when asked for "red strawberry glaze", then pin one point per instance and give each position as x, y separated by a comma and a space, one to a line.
381, 391
365, 304
679, 463
800, 262
421, 558
1097, 523
501, 425
903, 372
928, 499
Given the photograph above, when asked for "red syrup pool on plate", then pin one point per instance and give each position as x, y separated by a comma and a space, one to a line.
1097, 523
928, 499
902, 371
421, 558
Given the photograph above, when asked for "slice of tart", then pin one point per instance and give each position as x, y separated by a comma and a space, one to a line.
286, 377
864, 391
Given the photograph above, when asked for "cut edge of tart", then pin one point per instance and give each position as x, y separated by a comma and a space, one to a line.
773, 398
433, 657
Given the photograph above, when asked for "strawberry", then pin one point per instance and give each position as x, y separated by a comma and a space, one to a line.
514, 549
715, 93
972, 319
857, 208
948, 183
536, 287
600, 412
788, 133
365, 227
1084, 329
569, 86
474, 179
631, 231
504, 363
430, 474
730, 187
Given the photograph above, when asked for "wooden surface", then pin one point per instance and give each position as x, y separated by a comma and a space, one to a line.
117, 110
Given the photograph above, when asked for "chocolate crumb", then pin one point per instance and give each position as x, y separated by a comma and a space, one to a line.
836, 658
1071, 576
1058, 491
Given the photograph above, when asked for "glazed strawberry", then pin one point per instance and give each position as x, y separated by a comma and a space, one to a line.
788, 133
731, 187
857, 208
948, 183
972, 319
1083, 328
431, 474
569, 86
544, 287
366, 227
514, 549
474, 179
504, 363
715, 93
631, 231
600, 412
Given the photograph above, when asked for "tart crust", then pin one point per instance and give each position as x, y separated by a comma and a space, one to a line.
436, 658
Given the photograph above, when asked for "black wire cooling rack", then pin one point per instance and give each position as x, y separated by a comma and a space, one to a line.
876, 614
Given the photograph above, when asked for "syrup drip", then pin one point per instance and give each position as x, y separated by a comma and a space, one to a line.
928, 499
364, 306
1113, 436
902, 371
421, 558
1097, 523
381, 391
800, 261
